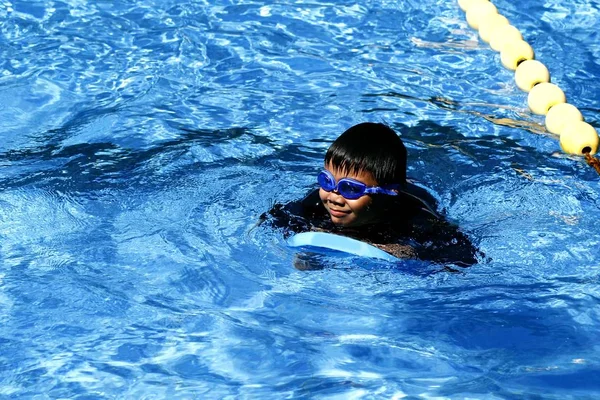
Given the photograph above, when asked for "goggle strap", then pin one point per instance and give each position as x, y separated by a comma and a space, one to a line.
382, 190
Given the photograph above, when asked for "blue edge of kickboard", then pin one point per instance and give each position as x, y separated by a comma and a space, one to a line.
340, 243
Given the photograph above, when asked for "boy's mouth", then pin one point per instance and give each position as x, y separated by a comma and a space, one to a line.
337, 213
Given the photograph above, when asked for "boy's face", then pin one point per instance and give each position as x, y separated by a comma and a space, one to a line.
345, 212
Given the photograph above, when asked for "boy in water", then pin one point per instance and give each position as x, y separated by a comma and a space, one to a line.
364, 194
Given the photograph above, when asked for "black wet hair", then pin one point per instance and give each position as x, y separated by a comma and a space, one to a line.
370, 147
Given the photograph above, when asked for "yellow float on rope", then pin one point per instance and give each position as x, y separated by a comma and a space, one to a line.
502, 35
480, 12
488, 24
543, 96
529, 73
514, 53
579, 138
560, 116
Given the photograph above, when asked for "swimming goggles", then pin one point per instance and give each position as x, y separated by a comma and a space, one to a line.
351, 189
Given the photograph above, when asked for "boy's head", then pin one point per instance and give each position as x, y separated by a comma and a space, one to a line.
371, 154
373, 148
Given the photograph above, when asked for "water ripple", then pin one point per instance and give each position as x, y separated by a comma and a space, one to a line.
143, 139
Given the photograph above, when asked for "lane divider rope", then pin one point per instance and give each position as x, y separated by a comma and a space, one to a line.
562, 119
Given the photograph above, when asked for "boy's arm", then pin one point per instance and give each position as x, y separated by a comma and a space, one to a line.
443, 242
398, 250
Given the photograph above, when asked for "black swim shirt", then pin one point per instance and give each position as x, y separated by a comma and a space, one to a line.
413, 221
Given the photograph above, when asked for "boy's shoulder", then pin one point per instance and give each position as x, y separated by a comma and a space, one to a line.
311, 203
418, 200
296, 216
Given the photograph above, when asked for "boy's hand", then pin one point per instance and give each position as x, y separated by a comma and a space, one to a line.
307, 262
398, 250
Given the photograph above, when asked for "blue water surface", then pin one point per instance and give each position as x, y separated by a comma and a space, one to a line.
142, 139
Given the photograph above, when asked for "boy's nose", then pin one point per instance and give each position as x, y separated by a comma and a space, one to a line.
335, 197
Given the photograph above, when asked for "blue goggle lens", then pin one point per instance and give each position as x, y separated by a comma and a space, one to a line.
351, 190
326, 181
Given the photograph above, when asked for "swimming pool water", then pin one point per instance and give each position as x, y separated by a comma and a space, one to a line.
142, 139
